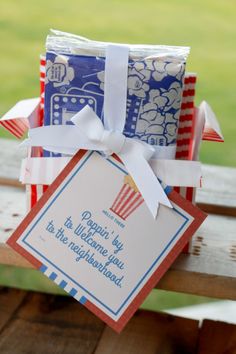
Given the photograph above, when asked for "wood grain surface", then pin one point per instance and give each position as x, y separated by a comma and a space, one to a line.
209, 270
34, 323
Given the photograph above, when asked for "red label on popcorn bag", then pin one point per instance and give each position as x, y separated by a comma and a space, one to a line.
93, 235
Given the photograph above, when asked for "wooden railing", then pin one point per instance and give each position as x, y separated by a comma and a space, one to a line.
209, 270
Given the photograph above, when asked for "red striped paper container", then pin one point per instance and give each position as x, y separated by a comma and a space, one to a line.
42, 86
185, 135
16, 127
186, 129
35, 191
186, 119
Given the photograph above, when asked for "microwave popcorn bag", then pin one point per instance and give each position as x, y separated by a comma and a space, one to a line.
184, 136
75, 78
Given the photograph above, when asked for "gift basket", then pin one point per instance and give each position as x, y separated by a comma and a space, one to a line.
127, 112
160, 106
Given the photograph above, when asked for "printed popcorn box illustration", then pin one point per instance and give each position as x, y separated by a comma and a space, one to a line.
128, 199
114, 134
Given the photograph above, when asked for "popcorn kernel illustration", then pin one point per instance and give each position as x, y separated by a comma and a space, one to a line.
59, 72
128, 199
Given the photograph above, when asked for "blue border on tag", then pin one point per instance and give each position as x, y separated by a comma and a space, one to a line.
167, 190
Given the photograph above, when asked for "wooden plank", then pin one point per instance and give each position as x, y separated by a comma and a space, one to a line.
217, 209
196, 283
40, 323
209, 270
151, 333
218, 194
48, 324
10, 300
10, 161
12, 210
217, 337
219, 187
213, 248
10, 257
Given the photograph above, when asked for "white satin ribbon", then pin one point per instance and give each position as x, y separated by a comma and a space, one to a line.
181, 173
115, 87
164, 152
88, 133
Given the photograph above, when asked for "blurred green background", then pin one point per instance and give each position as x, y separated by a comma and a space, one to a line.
208, 26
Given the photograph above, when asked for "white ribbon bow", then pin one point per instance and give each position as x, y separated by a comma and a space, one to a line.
88, 133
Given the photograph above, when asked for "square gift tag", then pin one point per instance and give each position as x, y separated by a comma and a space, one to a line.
93, 235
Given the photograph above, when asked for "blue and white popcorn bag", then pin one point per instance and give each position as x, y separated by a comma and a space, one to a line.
75, 78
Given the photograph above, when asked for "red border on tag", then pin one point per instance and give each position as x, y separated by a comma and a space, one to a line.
199, 217
195, 212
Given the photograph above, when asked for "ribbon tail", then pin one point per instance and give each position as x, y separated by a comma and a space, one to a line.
64, 139
146, 181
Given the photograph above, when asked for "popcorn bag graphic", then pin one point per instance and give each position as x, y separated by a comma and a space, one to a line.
128, 199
